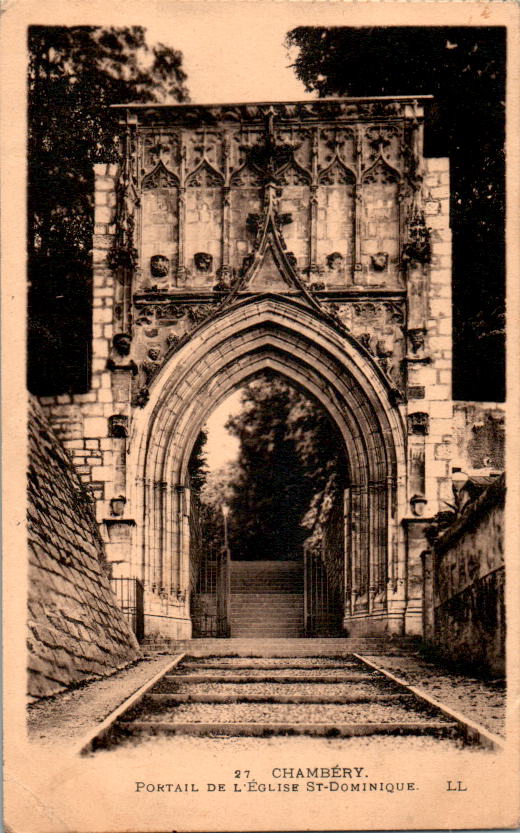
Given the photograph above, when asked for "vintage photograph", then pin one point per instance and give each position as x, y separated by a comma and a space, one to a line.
266, 421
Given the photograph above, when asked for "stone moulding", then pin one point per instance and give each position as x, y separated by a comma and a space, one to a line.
347, 109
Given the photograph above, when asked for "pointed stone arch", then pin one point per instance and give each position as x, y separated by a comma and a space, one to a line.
204, 176
381, 171
337, 173
285, 335
160, 177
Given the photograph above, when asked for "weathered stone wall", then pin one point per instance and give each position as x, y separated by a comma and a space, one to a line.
429, 367
76, 631
81, 422
478, 435
468, 574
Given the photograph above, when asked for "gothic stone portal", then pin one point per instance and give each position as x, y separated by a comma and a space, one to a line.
309, 238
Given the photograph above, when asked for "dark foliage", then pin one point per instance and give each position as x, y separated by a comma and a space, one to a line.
75, 73
289, 451
197, 466
464, 68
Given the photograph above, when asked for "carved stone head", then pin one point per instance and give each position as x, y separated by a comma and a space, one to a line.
384, 348
335, 261
366, 340
118, 426
416, 339
379, 261
203, 261
122, 343
172, 340
246, 263
418, 423
154, 353
225, 273
159, 266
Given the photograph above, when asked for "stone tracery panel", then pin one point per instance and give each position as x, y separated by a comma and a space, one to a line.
380, 225
159, 235
203, 228
342, 180
335, 224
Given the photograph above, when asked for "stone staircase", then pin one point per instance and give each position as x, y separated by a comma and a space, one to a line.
266, 599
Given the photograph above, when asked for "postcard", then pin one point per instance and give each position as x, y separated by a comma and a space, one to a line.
260, 394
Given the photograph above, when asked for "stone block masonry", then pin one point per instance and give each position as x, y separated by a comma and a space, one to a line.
76, 632
331, 266
468, 585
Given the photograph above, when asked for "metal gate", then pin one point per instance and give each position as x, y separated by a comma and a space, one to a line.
324, 573
210, 599
322, 599
130, 598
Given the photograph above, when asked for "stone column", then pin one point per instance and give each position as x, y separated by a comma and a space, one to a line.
415, 541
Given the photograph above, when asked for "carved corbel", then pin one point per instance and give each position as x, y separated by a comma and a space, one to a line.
118, 426
419, 423
141, 397
417, 338
203, 261
152, 366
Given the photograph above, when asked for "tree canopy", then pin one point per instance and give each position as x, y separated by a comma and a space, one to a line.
75, 73
289, 451
464, 68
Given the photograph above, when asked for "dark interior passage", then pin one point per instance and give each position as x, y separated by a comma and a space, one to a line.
260, 561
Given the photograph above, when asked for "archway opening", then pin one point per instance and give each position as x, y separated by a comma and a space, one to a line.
268, 475
268, 333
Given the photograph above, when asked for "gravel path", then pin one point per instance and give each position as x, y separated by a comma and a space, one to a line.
65, 718
260, 672
275, 662
481, 701
293, 713
270, 688
225, 751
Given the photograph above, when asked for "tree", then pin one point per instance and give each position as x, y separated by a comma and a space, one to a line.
217, 490
198, 466
75, 73
464, 68
289, 451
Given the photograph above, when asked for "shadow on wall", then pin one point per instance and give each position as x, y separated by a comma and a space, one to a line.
76, 632
467, 573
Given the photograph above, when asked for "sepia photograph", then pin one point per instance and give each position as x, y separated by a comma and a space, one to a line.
256, 440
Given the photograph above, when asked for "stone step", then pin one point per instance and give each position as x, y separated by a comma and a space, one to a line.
269, 577
266, 614
290, 632
251, 588
267, 566
263, 614
223, 664
271, 677
285, 647
173, 699
345, 730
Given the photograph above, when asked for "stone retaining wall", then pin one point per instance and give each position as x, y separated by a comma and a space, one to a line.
76, 632
468, 570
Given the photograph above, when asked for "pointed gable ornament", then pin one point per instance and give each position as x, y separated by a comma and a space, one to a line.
269, 267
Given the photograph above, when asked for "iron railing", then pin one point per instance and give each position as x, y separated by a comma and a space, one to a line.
130, 597
211, 600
